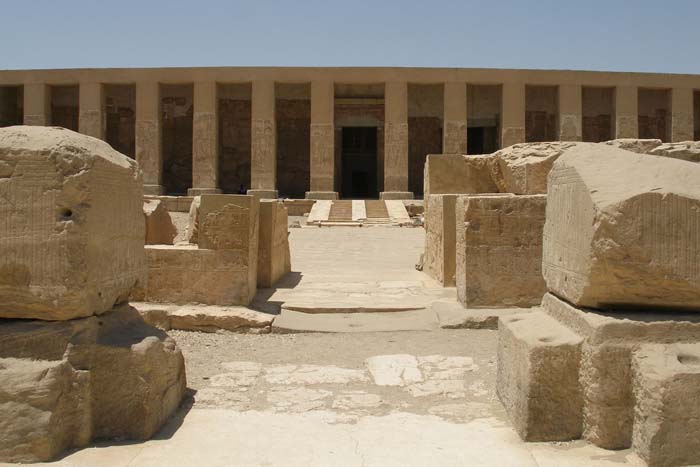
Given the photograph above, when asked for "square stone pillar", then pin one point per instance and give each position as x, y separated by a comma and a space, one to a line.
263, 152
513, 114
205, 160
37, 105
396, 141
626, 112
682, 115
454, 133
91, 120
570, 112
322, 144
148, 135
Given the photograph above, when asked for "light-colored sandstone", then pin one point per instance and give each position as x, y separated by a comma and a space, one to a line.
687, 151
187, 274
622, 229
228, 222
640, 146
112, 376
274, 259
159, 226
499, 250
537, 381
666, 415
204, 318
440, 230
458, 174
193, 220
524, 167
71, 244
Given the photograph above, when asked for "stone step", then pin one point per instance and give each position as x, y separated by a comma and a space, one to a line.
341, 210
415, 320
376, 209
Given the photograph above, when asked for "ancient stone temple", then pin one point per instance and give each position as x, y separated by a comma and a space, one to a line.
324, 133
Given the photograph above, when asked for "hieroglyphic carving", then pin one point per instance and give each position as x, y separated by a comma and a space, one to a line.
263, 154
455, 137
396, 157
148, 150
205, 163
322, 156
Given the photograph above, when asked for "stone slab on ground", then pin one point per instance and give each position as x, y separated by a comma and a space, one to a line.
416, 320
452, 315
205, 318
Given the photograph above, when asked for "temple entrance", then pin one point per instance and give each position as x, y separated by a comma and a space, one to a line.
359, 163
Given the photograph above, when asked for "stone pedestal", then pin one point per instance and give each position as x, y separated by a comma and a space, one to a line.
263, 161
682, 115
321, 195
396, 141
37, 106
626, 112
570, 113
454, 136
513, 114
92, 118
205, 161
148, 134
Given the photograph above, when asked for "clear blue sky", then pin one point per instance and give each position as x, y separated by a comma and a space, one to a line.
620, 35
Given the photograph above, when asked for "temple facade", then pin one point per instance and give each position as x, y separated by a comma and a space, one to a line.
327, 133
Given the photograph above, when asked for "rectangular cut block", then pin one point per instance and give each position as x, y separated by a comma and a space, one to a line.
72, 229
537, 380
457, 174
499, 250
273, 246
228, 222
440, 230
622, 230
666, 412
186, 274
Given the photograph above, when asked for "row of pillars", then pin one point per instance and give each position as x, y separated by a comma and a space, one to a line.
263, 131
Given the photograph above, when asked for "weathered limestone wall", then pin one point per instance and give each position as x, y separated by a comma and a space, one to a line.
440, 230
598, 114
120, 114
64, 106
234, 137
499, 250
655, 114
72, 243
541, 113
176, 114
273, 246
293, 114
11, 105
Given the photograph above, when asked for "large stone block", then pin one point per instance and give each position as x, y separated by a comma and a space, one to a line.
440, 230
640, 146
687, 151
666, 413
499, 250
273, 244
458, 174
537, 379
228, 222
622, 230
71, 240
65, 383
160, 229
523, 168
187, 274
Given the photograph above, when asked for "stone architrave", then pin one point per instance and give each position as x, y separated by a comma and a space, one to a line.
71, 244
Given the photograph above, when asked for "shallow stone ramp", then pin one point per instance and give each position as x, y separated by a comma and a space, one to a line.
319, 212
414, 320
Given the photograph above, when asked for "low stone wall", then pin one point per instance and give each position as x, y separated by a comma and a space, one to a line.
499, 250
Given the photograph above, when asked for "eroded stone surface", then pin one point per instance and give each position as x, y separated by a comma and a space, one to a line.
394, 370
72, 241
160, 229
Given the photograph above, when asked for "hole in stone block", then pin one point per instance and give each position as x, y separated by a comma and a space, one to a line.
686, 359
546, 339
65, 214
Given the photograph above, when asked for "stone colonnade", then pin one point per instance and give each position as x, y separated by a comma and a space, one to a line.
322, 145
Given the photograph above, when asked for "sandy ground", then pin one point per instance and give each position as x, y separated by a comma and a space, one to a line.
381, 399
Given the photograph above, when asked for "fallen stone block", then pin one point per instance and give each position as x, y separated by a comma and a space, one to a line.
666, 413
523, 168
458, 174
44, 409
538, 377
640, 146
452, 315
184, 274
499, 250
101, 377
686, 151
440, 243
621, 230
193, 220
274, 260
71, 244
160, 229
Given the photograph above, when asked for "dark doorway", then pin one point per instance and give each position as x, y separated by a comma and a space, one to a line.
482, 139
359, 158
